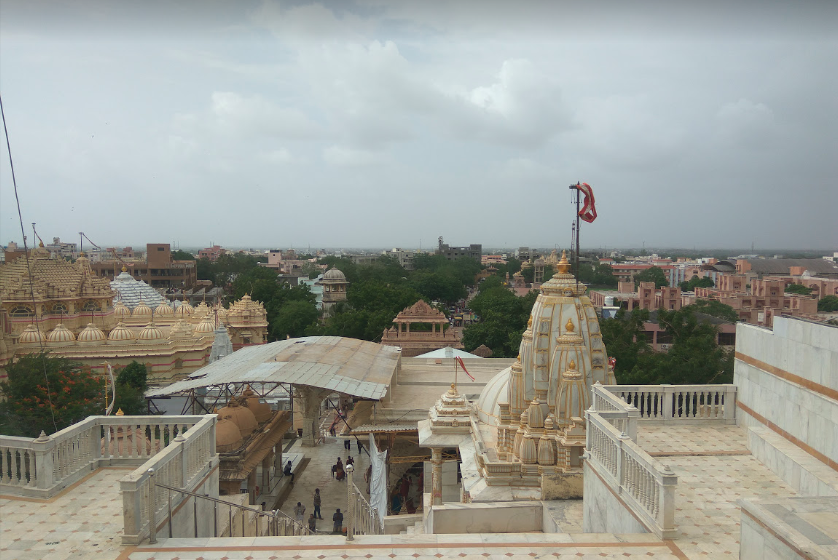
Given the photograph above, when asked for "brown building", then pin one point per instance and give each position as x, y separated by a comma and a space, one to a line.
158, 269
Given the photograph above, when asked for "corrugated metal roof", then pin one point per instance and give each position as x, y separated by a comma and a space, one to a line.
355, 367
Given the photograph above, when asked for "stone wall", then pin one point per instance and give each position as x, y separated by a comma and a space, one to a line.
603, 512
787, 382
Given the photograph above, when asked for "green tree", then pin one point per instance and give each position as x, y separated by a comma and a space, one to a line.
49, 394
131, 384
652, 274
828, 304
179, 255
798, 289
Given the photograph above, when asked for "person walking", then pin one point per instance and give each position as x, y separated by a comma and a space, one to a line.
299, 513
337, 518
312, 523
317, 504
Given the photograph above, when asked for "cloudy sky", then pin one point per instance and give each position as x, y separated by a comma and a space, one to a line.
383, 123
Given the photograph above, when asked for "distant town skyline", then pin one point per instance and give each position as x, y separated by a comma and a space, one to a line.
365, 122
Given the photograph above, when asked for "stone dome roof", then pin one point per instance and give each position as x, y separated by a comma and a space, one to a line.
242, 416
31, 335
121, 333
141, 310
334, 275
164, 309
494, 392
60, 335
92, 333
206, 326
150, 332
120, 310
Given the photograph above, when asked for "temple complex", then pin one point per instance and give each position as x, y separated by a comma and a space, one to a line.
92, 320
429, 331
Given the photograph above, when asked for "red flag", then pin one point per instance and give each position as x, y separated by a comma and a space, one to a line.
462, 365
588, 211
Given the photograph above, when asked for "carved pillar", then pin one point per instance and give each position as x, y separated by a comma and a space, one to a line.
436, 466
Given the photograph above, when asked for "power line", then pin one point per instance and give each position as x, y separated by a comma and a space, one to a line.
28, 267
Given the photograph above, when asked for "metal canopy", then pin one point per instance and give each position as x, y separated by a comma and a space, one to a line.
346, 365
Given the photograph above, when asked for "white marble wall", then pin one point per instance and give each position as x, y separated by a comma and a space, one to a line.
602, 512
804, 349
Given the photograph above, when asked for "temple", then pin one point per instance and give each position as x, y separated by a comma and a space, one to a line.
429, 331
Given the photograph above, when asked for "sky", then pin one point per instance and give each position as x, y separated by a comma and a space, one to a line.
373, 123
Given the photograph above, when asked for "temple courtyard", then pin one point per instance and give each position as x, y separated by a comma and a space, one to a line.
712, 462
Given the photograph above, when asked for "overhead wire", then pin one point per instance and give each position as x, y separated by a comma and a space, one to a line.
28, 267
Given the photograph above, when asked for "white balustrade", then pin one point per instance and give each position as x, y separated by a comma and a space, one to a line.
42, 467
673, 403
645, 485
182, 464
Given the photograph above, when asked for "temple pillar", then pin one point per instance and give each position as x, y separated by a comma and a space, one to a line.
436, 470
311, 398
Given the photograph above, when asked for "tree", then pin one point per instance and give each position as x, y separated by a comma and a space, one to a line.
652, 274
131, 384
696, 282
49, 394
828, 304
179, 255
798, 289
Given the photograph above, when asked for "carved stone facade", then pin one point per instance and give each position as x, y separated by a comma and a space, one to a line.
420, 341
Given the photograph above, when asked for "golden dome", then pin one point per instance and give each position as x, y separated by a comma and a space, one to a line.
240, 415
164, 309
206, 326
227, 435
31, 335
142, 310
92, 333
120, 311
150, 332
121, 334
60, 335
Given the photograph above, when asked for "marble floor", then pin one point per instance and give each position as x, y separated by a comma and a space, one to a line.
711, 461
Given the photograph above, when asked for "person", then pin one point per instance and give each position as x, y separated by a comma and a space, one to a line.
337, 518
299, 513
287, 471
360, 446
312, 523
317, 503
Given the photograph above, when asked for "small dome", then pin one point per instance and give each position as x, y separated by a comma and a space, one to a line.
31, 335
120, 311
164, 309
206, 326
142, 310
150, 332
334, 274
227, 435
184, 308
60, 335
242, 416
91, 333
120, 334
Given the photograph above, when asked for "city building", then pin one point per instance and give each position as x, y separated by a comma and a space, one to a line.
158, 269
473, 251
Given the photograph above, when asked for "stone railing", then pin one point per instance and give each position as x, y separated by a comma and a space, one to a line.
44, 466
615, 410
678, 403
362, 518
183, 464
645, 486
